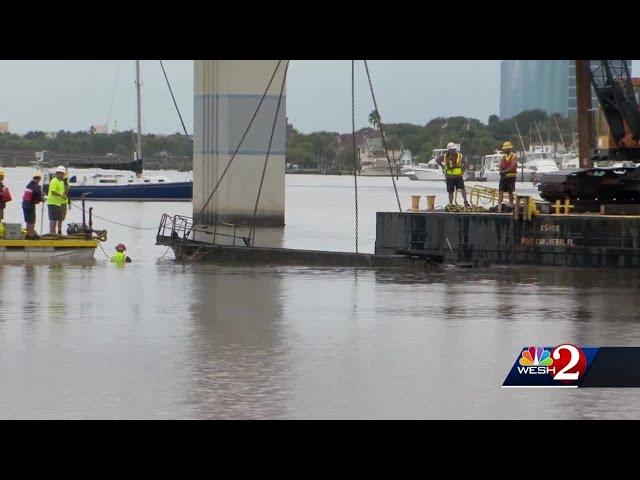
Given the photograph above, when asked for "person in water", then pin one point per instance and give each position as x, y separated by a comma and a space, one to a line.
120, 257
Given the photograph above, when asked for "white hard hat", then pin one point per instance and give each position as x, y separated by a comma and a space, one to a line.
451, 146
61, 169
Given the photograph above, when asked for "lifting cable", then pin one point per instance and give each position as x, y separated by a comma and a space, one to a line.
252, 232
255, 114
384, 142
112, 221
353, 136
105, 253
173, 98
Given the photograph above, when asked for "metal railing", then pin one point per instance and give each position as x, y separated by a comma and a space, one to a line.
185, 228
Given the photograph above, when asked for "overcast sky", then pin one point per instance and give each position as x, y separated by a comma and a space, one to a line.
73, 95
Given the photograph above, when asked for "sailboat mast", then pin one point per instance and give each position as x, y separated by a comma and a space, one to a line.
138, 84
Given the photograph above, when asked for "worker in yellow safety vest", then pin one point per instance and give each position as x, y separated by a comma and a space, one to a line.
508, 173
120, 257
454, 166
57, 201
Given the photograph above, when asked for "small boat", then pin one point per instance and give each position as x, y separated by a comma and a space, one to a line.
78, 246
540, 163
63, 249
429, 171
424, 171
569, 161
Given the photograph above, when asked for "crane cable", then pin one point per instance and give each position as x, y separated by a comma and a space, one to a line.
353, 136
384, 142
252, 232
113, 221
173, 98
122, 225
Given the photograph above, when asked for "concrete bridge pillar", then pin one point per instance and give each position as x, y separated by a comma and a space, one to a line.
226, 94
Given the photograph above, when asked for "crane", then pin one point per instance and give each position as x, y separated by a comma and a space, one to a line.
612, 84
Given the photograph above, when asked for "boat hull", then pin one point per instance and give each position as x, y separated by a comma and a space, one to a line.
422, 176
47, 251
158, 192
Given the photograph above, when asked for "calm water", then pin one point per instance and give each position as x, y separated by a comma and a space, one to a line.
158, 339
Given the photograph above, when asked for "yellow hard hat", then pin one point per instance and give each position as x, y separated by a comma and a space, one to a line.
2, 172
37, 173
506, 145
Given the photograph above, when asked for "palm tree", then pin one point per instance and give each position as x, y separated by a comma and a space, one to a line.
324, 147
374, 118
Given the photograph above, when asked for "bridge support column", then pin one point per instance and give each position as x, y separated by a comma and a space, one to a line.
226, 94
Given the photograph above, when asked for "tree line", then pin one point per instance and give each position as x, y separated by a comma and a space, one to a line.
318, 149
322, 150
121, 144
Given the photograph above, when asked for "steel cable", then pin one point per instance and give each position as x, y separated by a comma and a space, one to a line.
252, 232
353, 136
384, 141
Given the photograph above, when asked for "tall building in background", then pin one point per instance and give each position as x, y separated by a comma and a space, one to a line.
549, 85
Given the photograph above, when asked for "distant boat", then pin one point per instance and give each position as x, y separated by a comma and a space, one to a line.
540, 163
137, 187
430, 171
569, 161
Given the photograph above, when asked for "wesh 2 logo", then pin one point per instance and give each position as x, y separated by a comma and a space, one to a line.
564, 365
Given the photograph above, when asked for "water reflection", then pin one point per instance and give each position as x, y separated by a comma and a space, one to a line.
236, 349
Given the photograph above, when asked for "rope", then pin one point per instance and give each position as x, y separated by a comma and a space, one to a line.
252, 232
255, 114
173, 98
105, 253
165, 252
353, 136
384, 141
113, 221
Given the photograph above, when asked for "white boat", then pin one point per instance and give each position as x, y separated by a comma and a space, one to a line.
569, 161
540, 163
491, 169
430, 171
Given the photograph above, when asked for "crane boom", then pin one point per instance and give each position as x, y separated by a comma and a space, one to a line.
611, 81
